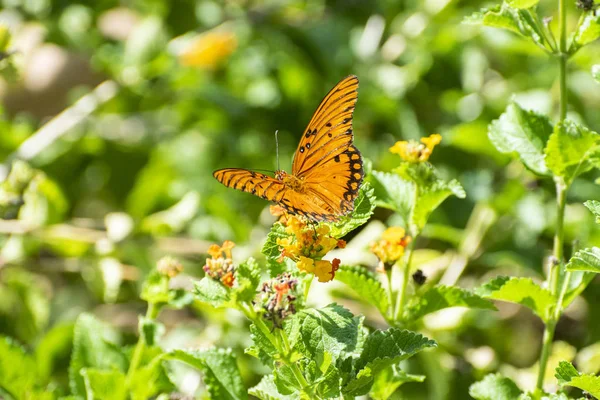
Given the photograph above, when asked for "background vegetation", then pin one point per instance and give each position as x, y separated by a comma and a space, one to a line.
122, 110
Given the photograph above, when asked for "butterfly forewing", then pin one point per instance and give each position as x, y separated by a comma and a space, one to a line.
256, 183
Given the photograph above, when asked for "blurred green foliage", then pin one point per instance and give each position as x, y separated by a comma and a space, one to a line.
99, 201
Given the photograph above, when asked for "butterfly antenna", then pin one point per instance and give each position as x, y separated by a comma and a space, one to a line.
277, 149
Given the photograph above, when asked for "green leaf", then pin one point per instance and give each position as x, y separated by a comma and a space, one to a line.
150, 330
495, 387
390, 379
262, 349
585, 260
332, 329
520, 291
440, 297
54, 347
267, 390
155, 288
92, 348
150, 378
522, 3
596, 72
363, 209
212, 292
572, 150
18, 371
431, 190
594, 207
568, 375
272, 252
392, 192
247, 278
104, 384
588, 31
524, 133
221, 374
381, 350
366, 284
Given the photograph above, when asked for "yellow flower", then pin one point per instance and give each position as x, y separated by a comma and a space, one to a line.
325, 270
306, 264
415, 152
209, 50
220, 266
390, 248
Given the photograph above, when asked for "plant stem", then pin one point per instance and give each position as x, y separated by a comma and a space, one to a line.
546, 349
390, 293
151, 313
401, 299
563, 57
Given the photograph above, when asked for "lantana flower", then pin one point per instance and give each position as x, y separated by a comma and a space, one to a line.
415, 152
307, 245
390, 248
209, 50
277, 298
220, 266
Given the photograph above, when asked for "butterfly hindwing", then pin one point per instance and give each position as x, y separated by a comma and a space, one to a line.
330, 128
258, 184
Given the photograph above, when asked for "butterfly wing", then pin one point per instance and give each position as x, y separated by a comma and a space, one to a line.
258, 184
326, 160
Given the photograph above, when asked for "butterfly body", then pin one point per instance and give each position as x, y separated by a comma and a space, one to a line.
327, 169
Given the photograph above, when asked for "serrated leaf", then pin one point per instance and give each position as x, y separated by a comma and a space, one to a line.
572, 150
588, 31
92, 348
363, 209
366, 284
521, 291
494, 387
381, 350
594, 207
267, 390
262, 349
393, 192
522, 3
221, 374
568, 375
440, 297
331, 329
18, 370
212, 292
390, 379
272, 251
104, 384
524, 133
247, 278
585, 260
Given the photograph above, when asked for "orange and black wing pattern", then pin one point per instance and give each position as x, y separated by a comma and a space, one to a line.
258, 184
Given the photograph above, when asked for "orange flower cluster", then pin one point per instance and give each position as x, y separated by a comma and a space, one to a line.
278, 298
415, 152
307, 245
220, 266
390, 248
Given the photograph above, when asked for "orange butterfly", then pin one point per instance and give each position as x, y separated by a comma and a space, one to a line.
327, 169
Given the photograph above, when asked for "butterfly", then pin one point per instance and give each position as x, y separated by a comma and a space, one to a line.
327, 170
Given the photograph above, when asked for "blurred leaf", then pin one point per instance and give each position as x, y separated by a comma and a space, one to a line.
523, 132
363, 209
366, 284
104, 384
212, 292
19, 373
247, 278
54, 346
381, 350
147, 40
92, 348
390, 379
521, 291
568, 375
596, 72
150, 378
594, 207
572, 150
332, 329
44, 202
522, 3
155, 288
267, 390
588, 31
150, 330
495, 387
392, 192
585, 260
588, 359
440, 297
173, 219
221, 374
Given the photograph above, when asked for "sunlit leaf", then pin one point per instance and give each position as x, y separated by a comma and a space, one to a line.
393, 192
267, 390
568, 375
365, 284
588, 31
495, 387
594, 207
363, 209
104, 384
585, 260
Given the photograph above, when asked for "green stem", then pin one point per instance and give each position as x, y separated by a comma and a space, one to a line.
390, 293
401, 299
563, 57
546, 349
151, 313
